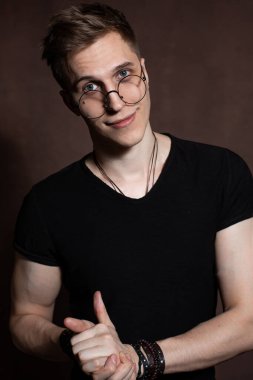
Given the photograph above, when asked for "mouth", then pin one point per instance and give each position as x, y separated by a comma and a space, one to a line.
122, 122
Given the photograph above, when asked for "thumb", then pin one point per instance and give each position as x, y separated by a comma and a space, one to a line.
111, 362
77, 325
107, 370
100, 310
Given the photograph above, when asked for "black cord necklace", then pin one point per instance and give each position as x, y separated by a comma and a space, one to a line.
151, 172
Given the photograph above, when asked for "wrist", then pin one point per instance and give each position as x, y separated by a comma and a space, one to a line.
64, 341
151, 364
134, 357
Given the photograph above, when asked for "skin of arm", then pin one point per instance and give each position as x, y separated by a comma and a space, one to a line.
231, 332
207, 344
34, 290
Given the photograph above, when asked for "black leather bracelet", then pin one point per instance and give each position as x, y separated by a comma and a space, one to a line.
65, 343
151, 358
142, 363
155, 357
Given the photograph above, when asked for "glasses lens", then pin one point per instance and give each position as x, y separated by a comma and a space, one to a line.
132, 89
91, 104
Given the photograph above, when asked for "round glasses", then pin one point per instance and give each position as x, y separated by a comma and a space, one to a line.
131, 90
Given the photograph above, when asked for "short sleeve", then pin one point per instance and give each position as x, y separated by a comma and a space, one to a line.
31, 237
236, 192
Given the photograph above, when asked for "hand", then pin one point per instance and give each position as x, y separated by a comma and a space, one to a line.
110, 371
94, 344
77, 325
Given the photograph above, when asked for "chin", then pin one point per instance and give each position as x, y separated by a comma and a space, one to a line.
124, 138
129, 137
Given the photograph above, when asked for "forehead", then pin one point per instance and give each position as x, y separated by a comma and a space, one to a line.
101, 57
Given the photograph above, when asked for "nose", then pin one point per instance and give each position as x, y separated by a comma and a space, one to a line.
113, 101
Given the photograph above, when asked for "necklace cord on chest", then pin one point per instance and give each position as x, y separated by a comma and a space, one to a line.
151, 169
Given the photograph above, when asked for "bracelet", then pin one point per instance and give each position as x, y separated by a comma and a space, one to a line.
155, 356
153, 361
142, 362
64, 340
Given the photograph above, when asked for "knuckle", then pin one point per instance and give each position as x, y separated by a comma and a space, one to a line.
81, 357
107, 337
84, 369
96, 364
100, 327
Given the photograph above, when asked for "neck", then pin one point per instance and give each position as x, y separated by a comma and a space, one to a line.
125, 163
129, 168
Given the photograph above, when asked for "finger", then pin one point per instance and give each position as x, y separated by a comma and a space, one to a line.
128, 375
126, 359
94, 365
129, 357
77, 325
131, 375
97, 341
92, 353
100, 310
111, 361
92, 332
123, 372
126, 369
107, 370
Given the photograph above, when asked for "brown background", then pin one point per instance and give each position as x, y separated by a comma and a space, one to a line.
200, 59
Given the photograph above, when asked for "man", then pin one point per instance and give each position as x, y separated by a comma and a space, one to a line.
152, 221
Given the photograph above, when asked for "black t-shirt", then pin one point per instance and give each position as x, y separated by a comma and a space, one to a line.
153, 258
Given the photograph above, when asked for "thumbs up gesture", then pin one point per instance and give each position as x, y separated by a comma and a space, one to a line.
98, 347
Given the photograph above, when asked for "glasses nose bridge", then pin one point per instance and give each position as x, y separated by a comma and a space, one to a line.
106, 95
109, 103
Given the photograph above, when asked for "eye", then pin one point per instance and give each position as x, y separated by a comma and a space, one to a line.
89, 87
123, 73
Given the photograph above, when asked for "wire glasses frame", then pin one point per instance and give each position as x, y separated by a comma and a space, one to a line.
131, 89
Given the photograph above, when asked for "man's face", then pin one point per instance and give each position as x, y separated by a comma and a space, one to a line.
101, 66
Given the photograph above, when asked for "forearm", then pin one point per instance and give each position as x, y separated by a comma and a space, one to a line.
209, 343
37, 336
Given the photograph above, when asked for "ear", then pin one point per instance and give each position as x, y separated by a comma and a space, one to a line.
69, 102
144, 70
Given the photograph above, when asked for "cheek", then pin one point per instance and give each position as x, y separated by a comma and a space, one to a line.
92, 126
146, 105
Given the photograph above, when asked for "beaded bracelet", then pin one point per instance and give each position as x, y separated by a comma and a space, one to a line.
152, 350
142, 362
153, 361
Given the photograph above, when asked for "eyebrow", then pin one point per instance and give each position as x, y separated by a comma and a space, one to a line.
115, 69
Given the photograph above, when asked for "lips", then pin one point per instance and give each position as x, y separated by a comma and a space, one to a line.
123, 122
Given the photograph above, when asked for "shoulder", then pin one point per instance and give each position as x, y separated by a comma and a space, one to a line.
207, 155
61, 181
198, 148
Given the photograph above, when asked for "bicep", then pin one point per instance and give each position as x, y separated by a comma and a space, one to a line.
234, 260
34, 288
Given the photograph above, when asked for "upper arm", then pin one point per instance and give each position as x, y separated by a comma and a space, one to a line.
34, 288
234, 260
